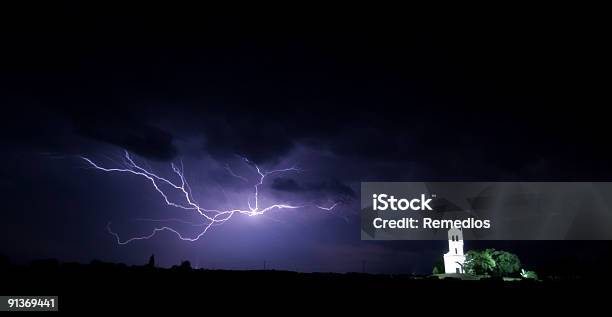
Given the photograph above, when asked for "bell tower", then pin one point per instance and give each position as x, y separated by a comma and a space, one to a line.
454, 258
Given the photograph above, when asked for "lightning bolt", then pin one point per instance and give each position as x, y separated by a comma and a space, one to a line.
209, 217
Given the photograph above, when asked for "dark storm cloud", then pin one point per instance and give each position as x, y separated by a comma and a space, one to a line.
286, 184
335, 186
331, 187
64, 130
133, 135
260, 138
358, 93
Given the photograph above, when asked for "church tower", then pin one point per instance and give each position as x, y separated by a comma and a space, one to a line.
454, 259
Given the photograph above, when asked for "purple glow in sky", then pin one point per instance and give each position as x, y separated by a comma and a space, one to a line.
209, 217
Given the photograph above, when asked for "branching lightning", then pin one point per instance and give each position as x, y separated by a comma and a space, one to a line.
209, 217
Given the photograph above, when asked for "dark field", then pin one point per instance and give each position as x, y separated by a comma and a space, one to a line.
115, 287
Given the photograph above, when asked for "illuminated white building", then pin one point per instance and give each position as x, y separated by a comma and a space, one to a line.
454, 259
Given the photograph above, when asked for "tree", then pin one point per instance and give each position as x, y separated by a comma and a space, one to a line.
479, 262
185, 265
506, 263
151, 261
438, 267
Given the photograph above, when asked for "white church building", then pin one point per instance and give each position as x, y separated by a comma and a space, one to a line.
454, 259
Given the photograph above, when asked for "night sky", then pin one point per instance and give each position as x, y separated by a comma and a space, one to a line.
345, 97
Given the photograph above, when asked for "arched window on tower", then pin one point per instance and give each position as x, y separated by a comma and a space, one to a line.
455, 250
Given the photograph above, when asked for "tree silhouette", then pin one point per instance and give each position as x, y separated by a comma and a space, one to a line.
185, 265
151, 261
438, 266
